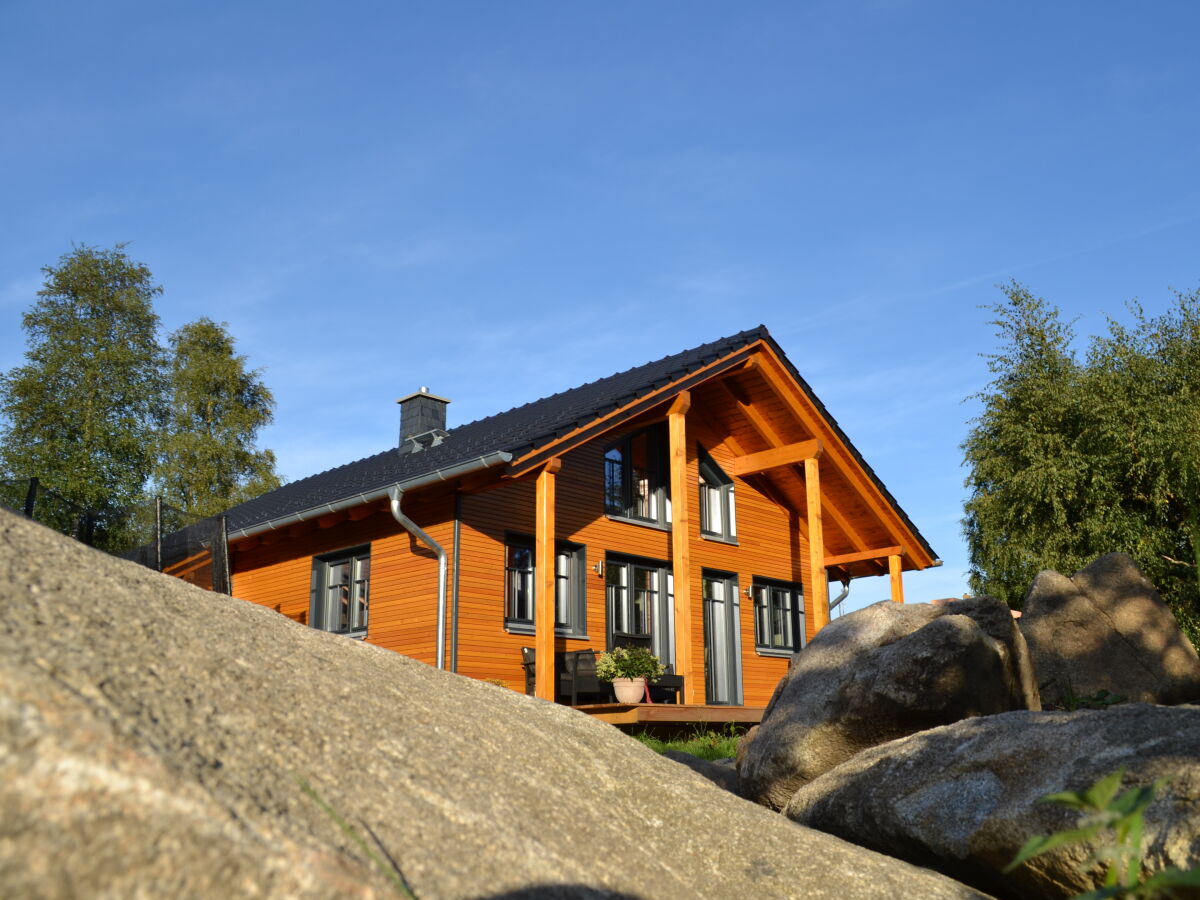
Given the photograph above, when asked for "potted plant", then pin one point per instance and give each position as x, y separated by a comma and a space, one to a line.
628, 668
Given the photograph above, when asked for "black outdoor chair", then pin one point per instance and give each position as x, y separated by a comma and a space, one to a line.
580, 680
528, 663
574, 676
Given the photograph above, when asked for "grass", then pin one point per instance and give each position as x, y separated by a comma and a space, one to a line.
704, 743
388, 869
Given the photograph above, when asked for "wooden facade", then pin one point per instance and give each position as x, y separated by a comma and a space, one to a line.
804, 501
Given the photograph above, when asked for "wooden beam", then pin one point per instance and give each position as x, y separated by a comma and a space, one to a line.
613, 419
767, 432
786, 455
818, 599
897, 578
543, 566
681, 555
862, 556
358, 513
784, 387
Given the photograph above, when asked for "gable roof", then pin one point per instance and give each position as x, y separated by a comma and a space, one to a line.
518, 432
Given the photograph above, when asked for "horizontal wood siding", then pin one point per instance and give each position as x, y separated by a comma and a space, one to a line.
403, 587
769, 545
771, 508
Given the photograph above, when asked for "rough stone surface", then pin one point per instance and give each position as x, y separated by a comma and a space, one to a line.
721, 772
879, 674
964, 798
153, 735
1106, 628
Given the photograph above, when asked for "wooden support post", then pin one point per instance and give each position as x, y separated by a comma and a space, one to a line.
543, 566
818, 601
681, 554
897, 579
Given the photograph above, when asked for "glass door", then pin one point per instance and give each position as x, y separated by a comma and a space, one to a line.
722, 645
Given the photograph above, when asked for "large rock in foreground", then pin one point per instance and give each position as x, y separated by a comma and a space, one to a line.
153, 736
965, 797
879, 674
1106, 629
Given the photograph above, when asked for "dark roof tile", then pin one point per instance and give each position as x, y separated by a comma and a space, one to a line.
518, 431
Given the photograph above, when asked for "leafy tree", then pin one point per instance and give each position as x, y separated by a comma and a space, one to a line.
83, 412
208, 457
1069, 460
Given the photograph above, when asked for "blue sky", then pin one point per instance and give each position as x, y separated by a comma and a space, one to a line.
504, 200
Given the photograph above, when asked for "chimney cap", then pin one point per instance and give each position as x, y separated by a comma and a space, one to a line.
423, 392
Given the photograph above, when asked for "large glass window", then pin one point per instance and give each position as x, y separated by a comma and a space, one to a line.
718, 513
635, 471
341, 592
778, 616
639, 598
570, 612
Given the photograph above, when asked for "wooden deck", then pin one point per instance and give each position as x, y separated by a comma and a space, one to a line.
625, 714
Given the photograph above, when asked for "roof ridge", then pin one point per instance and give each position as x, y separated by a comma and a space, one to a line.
653, 362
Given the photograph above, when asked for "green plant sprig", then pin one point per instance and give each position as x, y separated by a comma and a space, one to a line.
1122, 815
389, 871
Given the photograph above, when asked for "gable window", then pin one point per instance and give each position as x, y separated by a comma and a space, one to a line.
778, 617
635, 472
340, 599
570, 610
718, 514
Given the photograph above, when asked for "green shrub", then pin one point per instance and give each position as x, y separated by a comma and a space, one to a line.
628, 662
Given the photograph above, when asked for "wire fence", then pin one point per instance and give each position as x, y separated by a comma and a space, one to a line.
152, 533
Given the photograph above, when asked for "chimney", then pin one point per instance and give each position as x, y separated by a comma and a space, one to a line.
422, 420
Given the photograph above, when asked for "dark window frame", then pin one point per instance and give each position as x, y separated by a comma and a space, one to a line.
570, 611
775, 602
355, 621
623, 500
730, 628
715, 488
658, 636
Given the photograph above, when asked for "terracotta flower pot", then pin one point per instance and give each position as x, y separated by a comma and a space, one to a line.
629, 690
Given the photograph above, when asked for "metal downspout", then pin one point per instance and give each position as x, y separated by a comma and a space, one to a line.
842, 596
454, 587
397, 495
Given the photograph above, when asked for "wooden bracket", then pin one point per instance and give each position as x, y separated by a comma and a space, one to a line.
775, 457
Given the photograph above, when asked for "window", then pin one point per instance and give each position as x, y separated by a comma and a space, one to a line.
341, 592
778, 616
570, 563
639, 595
722, 638
635, 471
718, 515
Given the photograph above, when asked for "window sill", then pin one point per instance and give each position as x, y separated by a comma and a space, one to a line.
644, 523
530, 631
718, 539
771, 651
352, 635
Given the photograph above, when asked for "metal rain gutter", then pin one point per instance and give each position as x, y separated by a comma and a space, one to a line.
451, 472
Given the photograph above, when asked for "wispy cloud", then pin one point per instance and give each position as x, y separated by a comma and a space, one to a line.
717, 283
20, 291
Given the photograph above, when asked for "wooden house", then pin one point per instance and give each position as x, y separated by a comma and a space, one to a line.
700, 504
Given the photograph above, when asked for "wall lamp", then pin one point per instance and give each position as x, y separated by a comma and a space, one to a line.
598, 568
